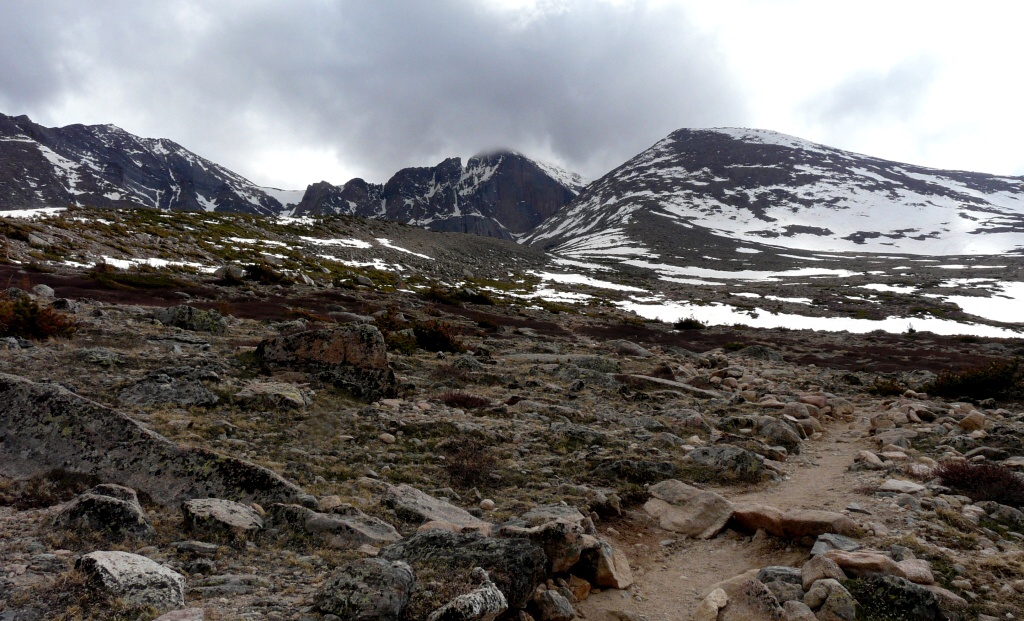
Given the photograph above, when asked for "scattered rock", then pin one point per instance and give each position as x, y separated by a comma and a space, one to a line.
684, 509
482, 604
708, 608
135, 578
818, 568
411, 503
191, 318
731, 461
334, 530
372, 589
605, 567
902, 487
272, 395
113, 510
218, 518
551, 606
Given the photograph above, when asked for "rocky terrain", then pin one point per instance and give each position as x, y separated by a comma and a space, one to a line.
231, 418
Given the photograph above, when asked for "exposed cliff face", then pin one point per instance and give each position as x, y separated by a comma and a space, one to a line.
105, 166
498, 195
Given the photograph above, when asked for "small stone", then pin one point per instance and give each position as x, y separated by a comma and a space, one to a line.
902, 487
973, 421
386, 438
487, 505
708, 609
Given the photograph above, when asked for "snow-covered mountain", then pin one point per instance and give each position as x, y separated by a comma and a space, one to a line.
105, 166
696, 189
502, 194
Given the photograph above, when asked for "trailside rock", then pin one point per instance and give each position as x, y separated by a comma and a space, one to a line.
749, 600
337, 531
708, 608
352, 356
372, 589
191, 318
551, 606
819, 568
410, 502
135, 578
857, 564
605, 567
113, 510
795, 610
752, 517
895, 597
731, 461
684, 509
516, 566
484, 603
44, 426
811, 523
218, 518
831, 601
561, 539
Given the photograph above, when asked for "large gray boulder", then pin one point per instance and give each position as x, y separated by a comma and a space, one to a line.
219, 519
333, 530
44, 426
135, 578
112, 510
517, 566
484, 603
686, 510
191, 318
352, 356
413, 504
369, 589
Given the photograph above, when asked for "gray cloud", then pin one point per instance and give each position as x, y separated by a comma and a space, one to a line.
865, 99
386, 84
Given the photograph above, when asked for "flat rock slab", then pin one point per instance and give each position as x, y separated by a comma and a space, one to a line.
794, 524
411, 502
336, 531
219, 517
901, 487
135, 578
44, 426
684, 509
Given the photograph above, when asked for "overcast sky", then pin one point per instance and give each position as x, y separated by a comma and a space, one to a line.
289, 92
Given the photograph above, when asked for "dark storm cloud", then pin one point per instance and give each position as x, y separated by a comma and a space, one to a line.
386, 83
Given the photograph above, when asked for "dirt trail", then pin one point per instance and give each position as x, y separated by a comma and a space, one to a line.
671, 580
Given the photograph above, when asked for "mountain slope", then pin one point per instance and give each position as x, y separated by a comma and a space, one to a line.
699, 188
105, 166
501, 194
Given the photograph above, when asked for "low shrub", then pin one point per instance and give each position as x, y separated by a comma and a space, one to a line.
436, 336
887, 387
469, 462
689, 323
25, 318
995, 379
464, 400
983, 482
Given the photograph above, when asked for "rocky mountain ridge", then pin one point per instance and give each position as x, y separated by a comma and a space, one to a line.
502, 194
777, 193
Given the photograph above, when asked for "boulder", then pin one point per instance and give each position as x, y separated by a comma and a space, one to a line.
749, 600
917, 570
708, 608
112, 510
561, 539
272, 395
352, 356
515, 565
811, 523
161, 389
901, 487
410, 503
795, 610
191, 318
349, 530
44, 426
686, 510
605, 567
484, 603
185, 614
858, 564
973, 421
220, 519
752, 517
832, 541
894, 597
372, 589
819, 568
135, 578
551, 606
831, 601
730, 461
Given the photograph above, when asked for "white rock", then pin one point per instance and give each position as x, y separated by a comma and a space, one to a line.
137, 579
902, 487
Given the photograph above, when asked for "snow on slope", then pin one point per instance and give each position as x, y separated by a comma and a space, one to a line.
763, 186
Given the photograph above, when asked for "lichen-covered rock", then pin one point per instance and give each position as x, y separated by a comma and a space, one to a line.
516, 566
484, 603
275, 395
220, 519
112, 510
411, 503
561, 539
368, 589
551, 606
347, 530
161, 389
135, 578
44, 426
191, 318
352, 356
684, 509
749, 600
831, 601
605, 567
730, 461
895, 597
